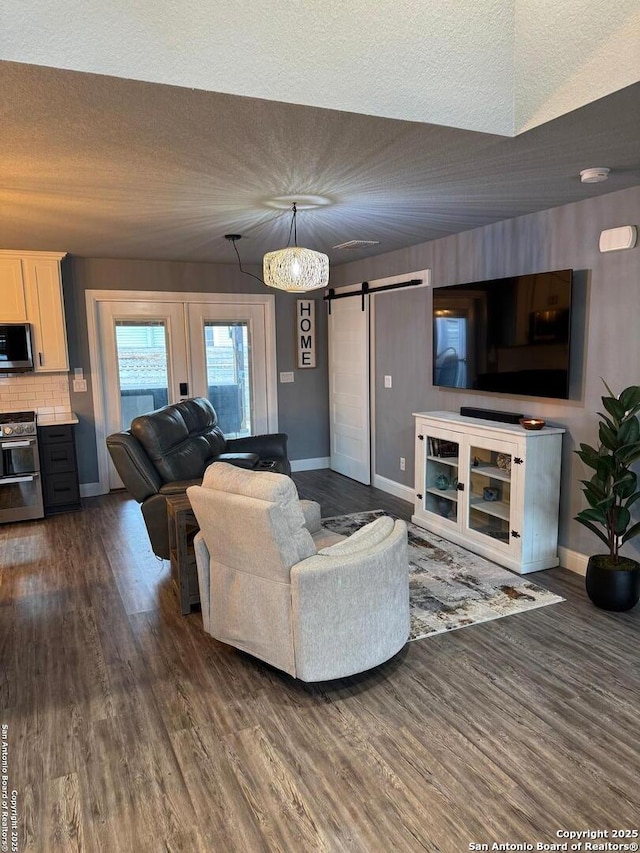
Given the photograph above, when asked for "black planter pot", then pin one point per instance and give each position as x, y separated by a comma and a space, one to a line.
613, 589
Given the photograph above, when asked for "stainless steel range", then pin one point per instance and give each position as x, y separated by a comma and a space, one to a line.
20, 483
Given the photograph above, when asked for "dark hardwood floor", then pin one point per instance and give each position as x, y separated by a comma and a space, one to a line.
129, 729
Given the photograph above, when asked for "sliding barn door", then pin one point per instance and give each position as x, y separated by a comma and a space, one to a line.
349, 388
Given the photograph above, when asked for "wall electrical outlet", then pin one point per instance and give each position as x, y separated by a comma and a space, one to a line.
402, 463
387, 382
79, 385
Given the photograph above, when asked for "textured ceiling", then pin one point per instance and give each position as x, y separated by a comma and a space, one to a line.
105, 167
497, 66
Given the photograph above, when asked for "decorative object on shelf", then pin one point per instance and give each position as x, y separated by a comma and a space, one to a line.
489, 493
503, 461
444, 507
532, 423
293, 268
442, 482
441, 448
613, 581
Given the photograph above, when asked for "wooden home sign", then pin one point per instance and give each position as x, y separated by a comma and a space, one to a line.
306, 332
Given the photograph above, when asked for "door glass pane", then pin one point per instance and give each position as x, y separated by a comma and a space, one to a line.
451, 351
490, 493
141, 348
441, 480
227, 348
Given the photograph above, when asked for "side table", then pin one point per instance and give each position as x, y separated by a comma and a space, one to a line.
182, 528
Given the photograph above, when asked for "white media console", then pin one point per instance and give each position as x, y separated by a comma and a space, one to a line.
491, 487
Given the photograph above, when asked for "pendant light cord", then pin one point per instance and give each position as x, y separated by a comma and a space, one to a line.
293, 227
233, 238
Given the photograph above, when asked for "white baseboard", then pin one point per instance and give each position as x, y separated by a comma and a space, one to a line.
310, 464
91, 490
405, 493
573, 560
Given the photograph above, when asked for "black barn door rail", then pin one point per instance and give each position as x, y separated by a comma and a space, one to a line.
365, 290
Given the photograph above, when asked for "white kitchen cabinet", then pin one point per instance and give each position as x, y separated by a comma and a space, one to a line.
31, 291
491, 487
13, 308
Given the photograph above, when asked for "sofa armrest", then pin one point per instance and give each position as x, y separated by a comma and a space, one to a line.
179, 487
353, 609
134, 467
271, 445
240, 460
312, 515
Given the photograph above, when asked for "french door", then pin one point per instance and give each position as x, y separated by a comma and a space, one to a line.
155, 352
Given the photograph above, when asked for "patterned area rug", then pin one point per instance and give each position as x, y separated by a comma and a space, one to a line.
450, 587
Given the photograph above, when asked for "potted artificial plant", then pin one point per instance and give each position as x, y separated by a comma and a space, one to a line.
613, 581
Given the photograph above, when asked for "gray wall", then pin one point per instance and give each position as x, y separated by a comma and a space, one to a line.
606, 321
302, 406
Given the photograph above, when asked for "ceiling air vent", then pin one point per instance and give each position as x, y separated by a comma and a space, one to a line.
357, 244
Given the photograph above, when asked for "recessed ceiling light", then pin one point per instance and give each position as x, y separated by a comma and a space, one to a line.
302, 202
595, 175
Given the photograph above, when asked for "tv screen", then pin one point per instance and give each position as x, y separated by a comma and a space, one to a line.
505, 335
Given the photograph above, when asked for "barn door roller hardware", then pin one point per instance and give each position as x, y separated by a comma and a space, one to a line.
365, 289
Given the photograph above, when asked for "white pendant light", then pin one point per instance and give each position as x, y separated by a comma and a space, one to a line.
295, 269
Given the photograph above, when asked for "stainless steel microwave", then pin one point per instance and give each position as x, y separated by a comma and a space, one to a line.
15, 348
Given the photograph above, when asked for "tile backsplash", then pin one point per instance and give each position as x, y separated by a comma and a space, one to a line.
45, 393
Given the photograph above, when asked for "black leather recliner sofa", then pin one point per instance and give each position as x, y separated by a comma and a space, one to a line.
168, 450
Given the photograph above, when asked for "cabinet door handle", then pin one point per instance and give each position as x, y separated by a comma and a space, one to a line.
515, 534
421, 437
517, 460
460, 487
40, 359
419, 497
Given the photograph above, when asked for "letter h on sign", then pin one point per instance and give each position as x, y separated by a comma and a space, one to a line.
306, 332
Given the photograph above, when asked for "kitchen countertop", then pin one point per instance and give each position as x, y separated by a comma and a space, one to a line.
56, 418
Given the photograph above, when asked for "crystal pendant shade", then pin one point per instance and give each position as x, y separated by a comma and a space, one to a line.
295, 269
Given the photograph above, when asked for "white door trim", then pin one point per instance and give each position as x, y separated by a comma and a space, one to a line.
94, 297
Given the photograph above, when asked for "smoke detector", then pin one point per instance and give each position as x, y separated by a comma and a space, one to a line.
357, 244
595, 175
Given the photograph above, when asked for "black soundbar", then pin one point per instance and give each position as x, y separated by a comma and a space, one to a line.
491, 415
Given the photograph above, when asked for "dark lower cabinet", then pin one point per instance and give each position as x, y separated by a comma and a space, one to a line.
59, 469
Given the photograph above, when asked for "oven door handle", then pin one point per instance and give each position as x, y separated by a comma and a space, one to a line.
23, 478
9, 445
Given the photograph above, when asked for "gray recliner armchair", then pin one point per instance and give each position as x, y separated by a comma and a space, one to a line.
268, 588
168, 450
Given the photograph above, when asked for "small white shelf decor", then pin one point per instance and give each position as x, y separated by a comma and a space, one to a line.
502, 487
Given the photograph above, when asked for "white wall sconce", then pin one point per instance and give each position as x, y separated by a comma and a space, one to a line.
615, 239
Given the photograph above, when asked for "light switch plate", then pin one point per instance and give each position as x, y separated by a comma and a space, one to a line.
79, 385
387, 382
286, 377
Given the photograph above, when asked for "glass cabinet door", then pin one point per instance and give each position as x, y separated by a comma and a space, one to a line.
441, 477
490, 495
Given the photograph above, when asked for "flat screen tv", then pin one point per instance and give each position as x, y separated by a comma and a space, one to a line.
504, 335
